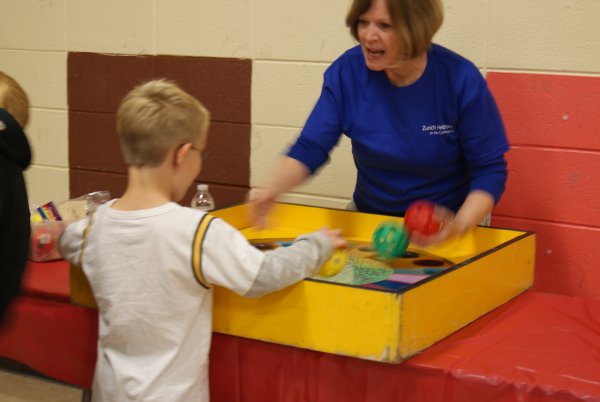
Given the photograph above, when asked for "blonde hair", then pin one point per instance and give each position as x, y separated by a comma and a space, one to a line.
14, 99
156, 117
415, 21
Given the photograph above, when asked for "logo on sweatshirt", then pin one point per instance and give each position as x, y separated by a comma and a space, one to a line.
2, 126
437, 129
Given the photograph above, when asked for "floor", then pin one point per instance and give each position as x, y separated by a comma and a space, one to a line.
17, 386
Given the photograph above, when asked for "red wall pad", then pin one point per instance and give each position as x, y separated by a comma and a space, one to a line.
566, 256
554, 159
549, 110
553, 183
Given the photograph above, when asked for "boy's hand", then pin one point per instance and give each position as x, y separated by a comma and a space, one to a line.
335, 235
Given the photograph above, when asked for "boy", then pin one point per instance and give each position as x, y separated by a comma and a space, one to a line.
151, 262
15, 157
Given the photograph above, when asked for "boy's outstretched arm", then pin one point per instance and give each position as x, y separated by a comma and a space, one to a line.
70, 241
285, 266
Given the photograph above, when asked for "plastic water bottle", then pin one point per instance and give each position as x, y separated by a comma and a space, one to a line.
203, 200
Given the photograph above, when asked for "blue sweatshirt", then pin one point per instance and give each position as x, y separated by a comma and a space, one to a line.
437, 139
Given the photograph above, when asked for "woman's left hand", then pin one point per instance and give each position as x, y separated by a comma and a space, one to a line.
451, 226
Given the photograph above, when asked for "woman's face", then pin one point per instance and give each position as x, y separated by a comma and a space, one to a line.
380, 44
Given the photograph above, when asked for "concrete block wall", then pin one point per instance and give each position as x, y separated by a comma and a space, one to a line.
541, 59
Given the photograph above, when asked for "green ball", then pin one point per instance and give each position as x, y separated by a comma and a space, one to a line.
390, 239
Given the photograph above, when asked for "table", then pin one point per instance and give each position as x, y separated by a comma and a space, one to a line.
536, 348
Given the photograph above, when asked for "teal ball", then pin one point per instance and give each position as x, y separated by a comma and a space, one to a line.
390, 239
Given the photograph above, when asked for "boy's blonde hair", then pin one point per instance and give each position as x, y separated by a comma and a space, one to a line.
415, 21
156, 117
14, 99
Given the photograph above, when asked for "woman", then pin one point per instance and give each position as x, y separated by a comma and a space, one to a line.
421, 119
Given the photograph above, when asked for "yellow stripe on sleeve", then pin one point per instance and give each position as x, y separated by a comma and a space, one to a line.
197, 249
85, 238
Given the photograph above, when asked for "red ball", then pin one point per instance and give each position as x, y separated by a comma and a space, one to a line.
420, 217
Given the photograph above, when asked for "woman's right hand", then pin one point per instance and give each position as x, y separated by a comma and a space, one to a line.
260, 203
288, 174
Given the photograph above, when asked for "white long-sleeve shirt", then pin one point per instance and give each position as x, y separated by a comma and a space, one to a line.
151, 273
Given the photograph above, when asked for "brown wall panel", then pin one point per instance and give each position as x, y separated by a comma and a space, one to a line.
223, 85
224, 195
552, 184
228, 161
549, 110
94, 143
98, 82
566, 256
87, 181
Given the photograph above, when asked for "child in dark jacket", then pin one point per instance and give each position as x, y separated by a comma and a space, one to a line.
15, 157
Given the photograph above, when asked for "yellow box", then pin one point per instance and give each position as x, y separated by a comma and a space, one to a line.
483, 270
489, 266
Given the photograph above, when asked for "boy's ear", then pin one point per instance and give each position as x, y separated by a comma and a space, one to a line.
180, 153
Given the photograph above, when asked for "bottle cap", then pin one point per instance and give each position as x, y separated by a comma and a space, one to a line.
202, 187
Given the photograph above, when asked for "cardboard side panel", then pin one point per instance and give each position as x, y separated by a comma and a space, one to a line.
81, 292
439, 307
334, 319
